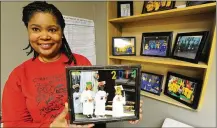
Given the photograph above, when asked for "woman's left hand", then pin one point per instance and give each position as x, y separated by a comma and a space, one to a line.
140, 114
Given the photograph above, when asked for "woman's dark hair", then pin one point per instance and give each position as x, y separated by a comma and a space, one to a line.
42, 6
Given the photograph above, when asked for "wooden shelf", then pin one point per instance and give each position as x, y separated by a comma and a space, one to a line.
166, 99
179, 20
192, 10
159, 60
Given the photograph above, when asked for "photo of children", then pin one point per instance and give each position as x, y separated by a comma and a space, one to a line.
187, 46
181, 89
151, 82
154, 6
155, 45
103, 94
124, 45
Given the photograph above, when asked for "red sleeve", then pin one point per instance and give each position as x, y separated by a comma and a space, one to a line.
82, 61
14, 110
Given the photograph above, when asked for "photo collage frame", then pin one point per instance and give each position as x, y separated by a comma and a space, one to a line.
103, 93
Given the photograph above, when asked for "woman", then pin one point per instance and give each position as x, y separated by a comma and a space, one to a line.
35, 93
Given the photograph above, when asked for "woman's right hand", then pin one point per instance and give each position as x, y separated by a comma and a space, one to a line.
61, 122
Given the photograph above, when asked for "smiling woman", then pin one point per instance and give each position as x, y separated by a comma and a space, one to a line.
39, 94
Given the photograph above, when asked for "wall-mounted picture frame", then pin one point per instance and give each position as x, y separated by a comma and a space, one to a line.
103, 93
123, 46
188, 46
194, 3
155, 6
183, 89
156, 44
124, 8
151, 82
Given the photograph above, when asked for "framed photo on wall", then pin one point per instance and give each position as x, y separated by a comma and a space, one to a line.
155, 6
189, 46
183, 89
103, 93
124, 46
125, 8
151, 82
194, 3
156, 44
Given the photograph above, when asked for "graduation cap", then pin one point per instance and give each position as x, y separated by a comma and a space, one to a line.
119, 87
75, 86
87, 83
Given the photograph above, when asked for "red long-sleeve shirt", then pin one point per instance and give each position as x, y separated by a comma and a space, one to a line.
35, 92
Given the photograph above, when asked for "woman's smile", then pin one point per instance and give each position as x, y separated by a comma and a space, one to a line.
46, 46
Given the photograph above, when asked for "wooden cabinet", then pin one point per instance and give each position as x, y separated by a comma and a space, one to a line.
189, 19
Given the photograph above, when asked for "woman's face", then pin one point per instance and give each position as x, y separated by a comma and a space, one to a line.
45, 35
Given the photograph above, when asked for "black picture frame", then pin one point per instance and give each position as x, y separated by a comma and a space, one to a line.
152, 89
119, 41
155, 6
172, 90
194, 3
190, 52
121, 5
162, 49
126, 75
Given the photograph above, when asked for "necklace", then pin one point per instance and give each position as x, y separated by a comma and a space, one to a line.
45, 61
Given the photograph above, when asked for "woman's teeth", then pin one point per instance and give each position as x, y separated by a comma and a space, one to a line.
45, 45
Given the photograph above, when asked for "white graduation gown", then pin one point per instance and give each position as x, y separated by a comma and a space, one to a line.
87, 106
118, 106
100, 103
77, 102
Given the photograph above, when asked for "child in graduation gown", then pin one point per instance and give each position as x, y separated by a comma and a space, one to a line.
118, 102
87, 98
76, 99
100, 100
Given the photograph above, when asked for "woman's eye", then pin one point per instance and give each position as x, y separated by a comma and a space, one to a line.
35, 29
52, 30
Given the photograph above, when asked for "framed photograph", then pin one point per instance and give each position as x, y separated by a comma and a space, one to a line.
155, 6
103, 93
151, 82
124, 46
189, 46
125, 8
183, 89
156, 44
193, 3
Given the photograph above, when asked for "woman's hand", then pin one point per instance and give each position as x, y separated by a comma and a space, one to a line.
140, 114
61, 122
81, 126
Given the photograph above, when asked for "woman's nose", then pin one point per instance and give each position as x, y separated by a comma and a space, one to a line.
45, 35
